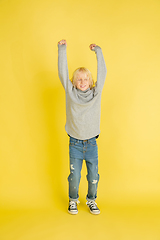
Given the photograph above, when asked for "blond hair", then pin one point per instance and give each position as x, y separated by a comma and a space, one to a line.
84, 70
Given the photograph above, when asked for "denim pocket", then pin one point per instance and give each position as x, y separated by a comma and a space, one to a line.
92, 142
73, 142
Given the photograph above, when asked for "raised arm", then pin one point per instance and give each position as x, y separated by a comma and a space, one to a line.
62, 63
101, 66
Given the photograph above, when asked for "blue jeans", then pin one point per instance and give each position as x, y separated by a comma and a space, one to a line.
80, 150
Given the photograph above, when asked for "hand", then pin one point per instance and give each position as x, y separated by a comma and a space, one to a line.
92, 46
62, 42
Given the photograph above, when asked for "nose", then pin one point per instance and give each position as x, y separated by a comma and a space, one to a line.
82, 81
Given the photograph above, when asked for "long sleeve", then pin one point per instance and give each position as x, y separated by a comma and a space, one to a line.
101, 69
83, 108
62, 65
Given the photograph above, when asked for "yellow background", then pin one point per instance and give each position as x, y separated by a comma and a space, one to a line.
34, 163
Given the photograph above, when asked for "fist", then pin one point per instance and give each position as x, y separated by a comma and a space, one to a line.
62, 42
92, 46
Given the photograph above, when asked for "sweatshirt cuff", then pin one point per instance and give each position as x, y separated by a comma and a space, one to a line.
63, 46
97, 48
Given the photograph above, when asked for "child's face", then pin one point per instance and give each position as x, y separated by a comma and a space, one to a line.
82, 81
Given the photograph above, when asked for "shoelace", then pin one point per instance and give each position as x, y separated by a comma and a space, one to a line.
73, 204
92, 204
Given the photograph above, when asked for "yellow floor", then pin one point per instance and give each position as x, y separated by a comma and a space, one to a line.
114, 223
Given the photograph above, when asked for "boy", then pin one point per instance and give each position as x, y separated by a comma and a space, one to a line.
83, 104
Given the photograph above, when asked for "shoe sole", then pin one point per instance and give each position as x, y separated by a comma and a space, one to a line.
95, 213
73, 213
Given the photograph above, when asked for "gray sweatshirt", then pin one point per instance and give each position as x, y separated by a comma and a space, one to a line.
83, 108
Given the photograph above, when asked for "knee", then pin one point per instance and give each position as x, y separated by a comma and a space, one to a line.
94, 179
74, 177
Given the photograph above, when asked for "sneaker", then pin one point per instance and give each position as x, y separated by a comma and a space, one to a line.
93, 207
72, 209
